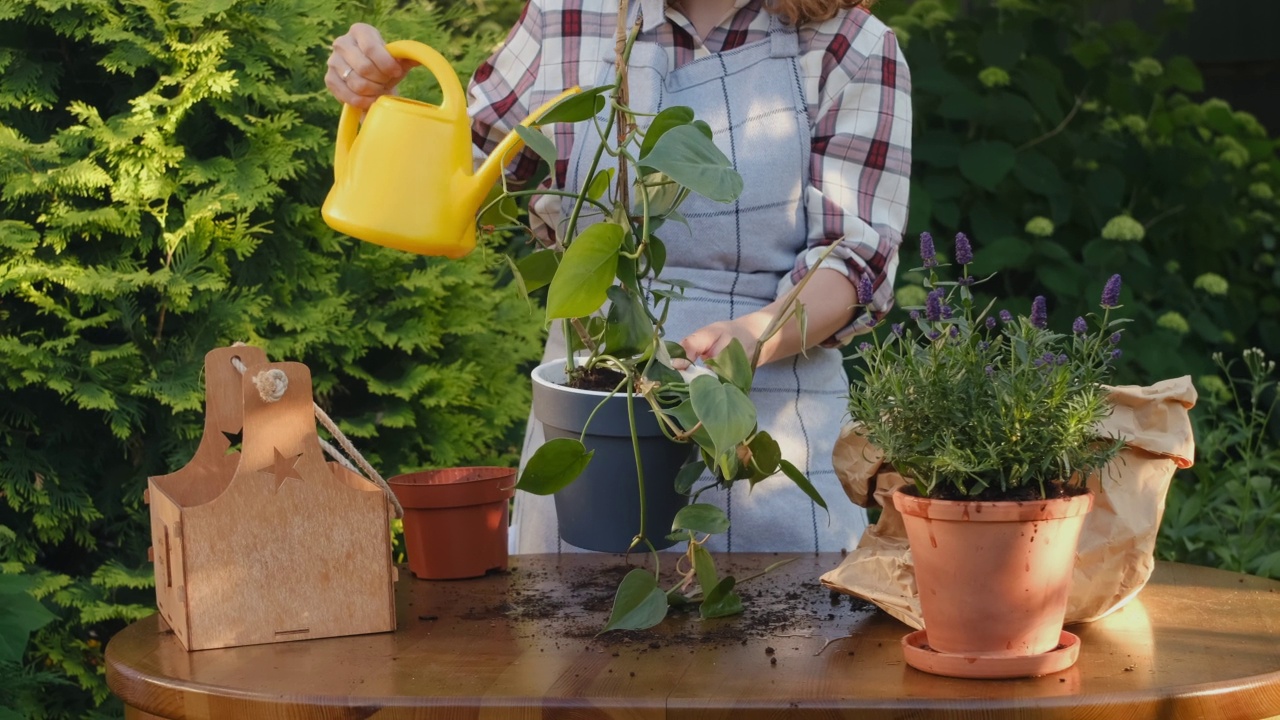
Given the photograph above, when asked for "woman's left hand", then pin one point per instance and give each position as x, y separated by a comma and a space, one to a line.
708, 341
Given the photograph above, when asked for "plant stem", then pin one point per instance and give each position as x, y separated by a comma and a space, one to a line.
635, 447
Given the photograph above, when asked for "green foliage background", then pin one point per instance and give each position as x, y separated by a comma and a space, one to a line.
162, 163
1069, 152
161, 167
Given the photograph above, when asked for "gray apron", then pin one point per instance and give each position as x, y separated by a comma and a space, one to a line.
735, 255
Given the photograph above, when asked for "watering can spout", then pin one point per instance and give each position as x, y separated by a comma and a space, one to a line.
405, 178
491, 169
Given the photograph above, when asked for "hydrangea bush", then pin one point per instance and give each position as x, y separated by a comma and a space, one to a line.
982, 403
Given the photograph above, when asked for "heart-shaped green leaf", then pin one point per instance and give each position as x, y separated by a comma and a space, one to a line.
765, 456
733, 365
722, 601
701, 517
693, 160
638, 604
554, 465
688, 418
537, 269
538, 143
803, 483
669, 118
20, 615
600, 183
586, 271
689, 475
705, 568
629, 328
576, 108
727, 414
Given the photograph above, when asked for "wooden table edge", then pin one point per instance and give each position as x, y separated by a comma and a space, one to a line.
131, 687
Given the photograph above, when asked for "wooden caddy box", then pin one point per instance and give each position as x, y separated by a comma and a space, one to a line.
271, 543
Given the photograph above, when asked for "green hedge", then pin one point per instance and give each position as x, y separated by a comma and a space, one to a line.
161, 169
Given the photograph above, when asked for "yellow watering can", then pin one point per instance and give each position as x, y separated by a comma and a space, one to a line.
405, 179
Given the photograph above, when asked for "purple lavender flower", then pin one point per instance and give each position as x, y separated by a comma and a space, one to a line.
915, 314
1039, 313
947, 311
933, 305
897, 329
982, 346
955, 331
1111, 292
991, 323
866, 290
1114, 339
1006, 317
1062, 359
991, 371
964, 252
927, 253
966, 281
864, 347
1080, 327
934, 334
1115, 354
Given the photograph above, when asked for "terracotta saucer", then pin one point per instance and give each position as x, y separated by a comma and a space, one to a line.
921, 657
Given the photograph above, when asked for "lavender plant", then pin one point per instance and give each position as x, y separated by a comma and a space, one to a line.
974, 403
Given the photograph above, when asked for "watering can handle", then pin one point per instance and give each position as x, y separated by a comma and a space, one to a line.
454, 100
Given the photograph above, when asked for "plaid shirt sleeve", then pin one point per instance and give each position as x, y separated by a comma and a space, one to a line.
501, 91
860, 165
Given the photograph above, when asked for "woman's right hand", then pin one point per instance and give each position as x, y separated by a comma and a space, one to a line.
360, 68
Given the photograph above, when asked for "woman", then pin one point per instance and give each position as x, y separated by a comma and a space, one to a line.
811, 100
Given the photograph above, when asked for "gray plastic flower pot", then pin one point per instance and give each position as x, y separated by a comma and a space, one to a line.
601, 509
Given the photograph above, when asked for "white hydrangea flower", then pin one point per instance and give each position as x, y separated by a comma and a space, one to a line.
1123, 228
1040, 226
1214, 385
910, 296
1212, 283
1173, 321
1146, 67
993, 77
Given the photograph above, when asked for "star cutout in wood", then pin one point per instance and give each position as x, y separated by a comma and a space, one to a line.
283, 468
234, 440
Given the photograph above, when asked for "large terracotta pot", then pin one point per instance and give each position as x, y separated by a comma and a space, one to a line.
455, 520
993, 580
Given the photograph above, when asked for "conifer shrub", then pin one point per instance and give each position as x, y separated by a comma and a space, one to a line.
161, 170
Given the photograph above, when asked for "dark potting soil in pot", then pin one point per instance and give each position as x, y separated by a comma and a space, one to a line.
597, 378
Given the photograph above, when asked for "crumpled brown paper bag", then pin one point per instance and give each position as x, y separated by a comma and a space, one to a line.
1117, 546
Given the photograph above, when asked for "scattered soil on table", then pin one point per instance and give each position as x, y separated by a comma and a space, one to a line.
576, 602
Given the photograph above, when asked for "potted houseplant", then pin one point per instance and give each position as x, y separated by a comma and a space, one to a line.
618, 390
993, 418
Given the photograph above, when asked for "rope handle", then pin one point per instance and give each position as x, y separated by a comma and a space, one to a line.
273, 383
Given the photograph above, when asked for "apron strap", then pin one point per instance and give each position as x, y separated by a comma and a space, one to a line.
783, 40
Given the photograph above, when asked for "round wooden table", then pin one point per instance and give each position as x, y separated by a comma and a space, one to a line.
1196, 643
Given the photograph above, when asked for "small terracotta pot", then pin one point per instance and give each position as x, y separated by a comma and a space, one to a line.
455, 520
993, 580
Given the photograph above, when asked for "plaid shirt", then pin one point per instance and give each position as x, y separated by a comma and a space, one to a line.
857, 88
